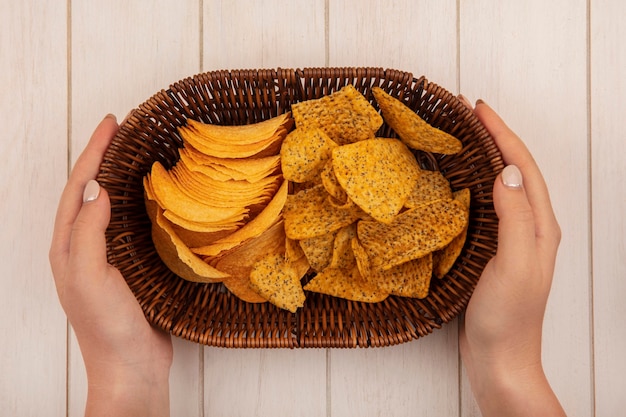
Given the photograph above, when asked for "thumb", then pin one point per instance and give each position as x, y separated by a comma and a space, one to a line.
516, 229
88, 243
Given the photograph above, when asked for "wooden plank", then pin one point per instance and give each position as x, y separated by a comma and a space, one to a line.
33, 114
420, 377
608, 89
265, 382
122, 55
249, 34
268, 34
415, 378
415, 36
528, 60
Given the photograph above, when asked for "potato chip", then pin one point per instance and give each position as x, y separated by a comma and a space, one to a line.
175, 254
409, 279
345, 116
342, 254
444, 259
319, 250
330, 183
304, 153
239, 134
293, 251
254, 227
309, 214
361, 257
430, 186
224, 150
170, 197
412, 234
278, 281
412, 129
348, 284
249, 169
377, 174
238, 261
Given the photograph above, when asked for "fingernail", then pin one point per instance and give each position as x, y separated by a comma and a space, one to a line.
91, 192
111, 116
465, 101
512, 177
480, 101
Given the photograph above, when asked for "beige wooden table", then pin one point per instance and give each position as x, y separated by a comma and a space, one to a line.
553, 69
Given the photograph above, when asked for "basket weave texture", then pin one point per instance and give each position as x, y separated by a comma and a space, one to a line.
207, 313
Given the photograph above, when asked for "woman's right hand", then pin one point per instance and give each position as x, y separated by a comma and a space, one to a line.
501, 336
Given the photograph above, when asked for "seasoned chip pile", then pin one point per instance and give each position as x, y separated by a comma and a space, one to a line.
257, 207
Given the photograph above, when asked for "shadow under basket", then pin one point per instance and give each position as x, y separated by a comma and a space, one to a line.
207, 313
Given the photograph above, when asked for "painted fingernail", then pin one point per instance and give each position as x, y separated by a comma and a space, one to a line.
512, 177
465, 101
91, 192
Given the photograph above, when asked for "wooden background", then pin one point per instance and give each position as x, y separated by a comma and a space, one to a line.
553, 69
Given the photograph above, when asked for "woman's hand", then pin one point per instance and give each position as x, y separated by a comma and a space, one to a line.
501, 337
127, 360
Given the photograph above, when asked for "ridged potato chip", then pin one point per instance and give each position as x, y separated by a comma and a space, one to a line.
278, 281
348, 284
309, 214
444, 259
377, 174
345, 116
412, 234
304, 153
412, 129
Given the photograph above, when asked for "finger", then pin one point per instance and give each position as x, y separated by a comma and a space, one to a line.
85, 169
515, 152
87, 241
516, 228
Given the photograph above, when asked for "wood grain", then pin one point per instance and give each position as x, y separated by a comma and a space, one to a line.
528, 60
33, 151
608, 174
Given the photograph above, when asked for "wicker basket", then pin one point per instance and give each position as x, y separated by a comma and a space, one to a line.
208, 313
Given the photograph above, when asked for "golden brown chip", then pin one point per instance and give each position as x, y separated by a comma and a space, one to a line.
238, 261
345, 115
278, 282
239, 135
309, 214
412, 129
377, 174
319, 250
293, 251
412, 234
254, 227
170, 197
409, 279
249, 169
444, 259
348, 284
361, 257
430, 186
342, 254
304, 153
225, 150
330, 183
175, 254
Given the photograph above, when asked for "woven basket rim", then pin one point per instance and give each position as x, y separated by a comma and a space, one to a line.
209, 315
